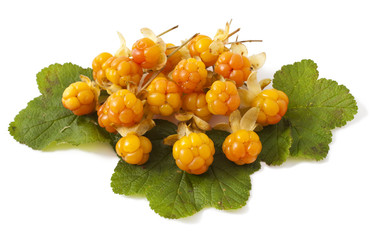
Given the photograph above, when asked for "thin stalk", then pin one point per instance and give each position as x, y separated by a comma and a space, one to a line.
155, 74
168, 30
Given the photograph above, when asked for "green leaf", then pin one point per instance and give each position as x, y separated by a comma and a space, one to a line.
276, 141
45, 120
315, 107
173, 193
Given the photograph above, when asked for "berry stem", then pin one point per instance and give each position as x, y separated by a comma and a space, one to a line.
182, 45
155, 74
243, 41
173, 47
232, 33
167, 30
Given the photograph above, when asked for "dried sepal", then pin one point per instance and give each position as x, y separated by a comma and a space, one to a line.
201, 124
142, 127
220, 39
264, 83
94, 87
183, 129
170, 140
212, 76
223, 34
234, 120
223, 127
183, 116
244, 97
253, 87
257, 60
123, 50
184, 51
112, 88
239, 48
216, 47
248, 120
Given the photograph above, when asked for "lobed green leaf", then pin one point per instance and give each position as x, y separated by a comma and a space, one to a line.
45, 120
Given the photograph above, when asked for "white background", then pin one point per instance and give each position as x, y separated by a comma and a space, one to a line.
65, 193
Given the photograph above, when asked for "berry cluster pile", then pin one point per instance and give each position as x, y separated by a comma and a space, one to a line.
192, 83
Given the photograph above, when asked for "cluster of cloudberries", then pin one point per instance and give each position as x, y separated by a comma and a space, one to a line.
201, 78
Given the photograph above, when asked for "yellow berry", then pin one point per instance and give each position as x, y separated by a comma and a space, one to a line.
164, 96
134, 149
273, 105
79, 98
242, 147
194, 153
222, 98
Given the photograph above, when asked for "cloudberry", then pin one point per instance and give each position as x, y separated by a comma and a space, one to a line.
190, 74
134, 149
173, 60
273, 105
242, 147
146, 53
222, 98
79, 98
199, 46
196, 103
121, 109
233, 66
122, 70
194, 153
164, 96
98, 73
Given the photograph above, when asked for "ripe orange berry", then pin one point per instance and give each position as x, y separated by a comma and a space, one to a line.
103, 119
121, 109
146, 53
222, 98
122, 70
173, 60
194, 153
134, 149
199, 46
79, 98
164, 96
196, 103
242, 147
190, 74
98, 73
273, 105
233, 66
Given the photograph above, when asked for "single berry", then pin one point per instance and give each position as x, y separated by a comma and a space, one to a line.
121, 109
98, 73
190, 74
222, 98
146, 53
173, 60
196, 103
199, 47
233, 66
164, 96
79, 98
134, 149
194, 153
122, 70
242, 147
273, 105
